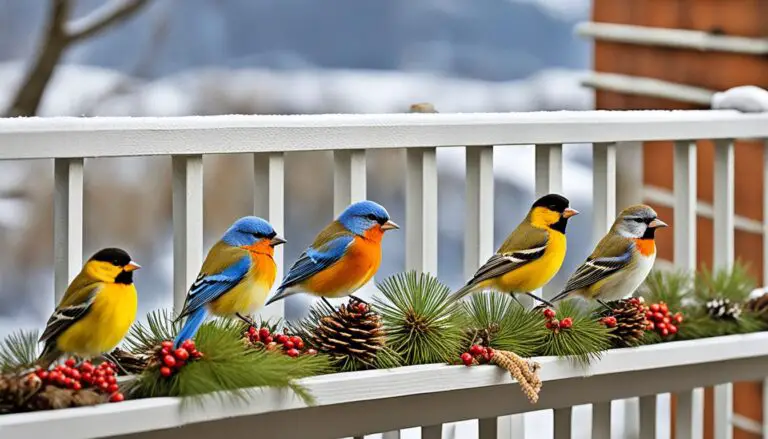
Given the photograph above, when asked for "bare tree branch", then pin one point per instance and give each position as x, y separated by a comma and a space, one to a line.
108, 14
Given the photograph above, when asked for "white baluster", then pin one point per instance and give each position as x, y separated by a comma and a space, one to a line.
724, 206
690, 403
67, 223
478, 230
187, 224
601, 420
563, 422
269, 203
603, 188
421, 210
648, 417
349, 179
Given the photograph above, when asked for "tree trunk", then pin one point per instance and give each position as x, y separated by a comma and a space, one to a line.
30, 92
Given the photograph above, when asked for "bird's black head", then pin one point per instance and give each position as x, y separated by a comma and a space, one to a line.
119, 258
554, 202
553, 211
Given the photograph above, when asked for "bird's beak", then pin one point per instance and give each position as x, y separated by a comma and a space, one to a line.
277, 240
568, 212
657, 223
131, 266
389, 225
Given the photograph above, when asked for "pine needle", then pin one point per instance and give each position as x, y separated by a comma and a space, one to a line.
584, 342
421, 324
735, 284
143, 337
671, 287
19, 350
504, 324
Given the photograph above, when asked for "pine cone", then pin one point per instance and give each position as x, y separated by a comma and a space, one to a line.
351, 334
759, 306
723, 309
53, 397
631, 322
130, 362
16, 390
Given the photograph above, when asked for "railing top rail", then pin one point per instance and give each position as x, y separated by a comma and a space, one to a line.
65, 137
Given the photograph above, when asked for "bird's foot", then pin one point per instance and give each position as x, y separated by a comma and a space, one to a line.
247, 320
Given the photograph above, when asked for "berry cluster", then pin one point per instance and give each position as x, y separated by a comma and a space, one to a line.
477, 353
661, 321
171, 360
291, 345
554, 324
70, 375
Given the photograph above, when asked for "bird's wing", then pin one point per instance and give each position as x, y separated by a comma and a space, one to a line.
224, 267
72, 308
525, 244
317, 258
612, 253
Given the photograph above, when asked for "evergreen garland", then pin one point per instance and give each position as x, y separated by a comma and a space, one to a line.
582, 339
421, 324
18, 351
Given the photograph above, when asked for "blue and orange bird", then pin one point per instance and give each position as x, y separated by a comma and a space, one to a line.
343, 257
235, 278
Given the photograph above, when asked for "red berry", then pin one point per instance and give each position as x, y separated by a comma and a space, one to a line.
180, 364
466, 358
548, 325
490, 354
655, 307
609, 321
165, 371
113, 388
549, 313
169, 361
649, 315
476, 349
664, 332
165, 351
650, 326
281, 338
110, 380
267, 340
104, 386
76, 385
658, 316
661, 325
311, 351
300, 345
252, 330
117, 397
292, 352
167, 344
289, 345
60, 367
42, 374
295, 339
75, 374
555, 323
678, 318
566, 323
663, 308
665, 320
87, 377
70, 362
86, 367
181, 354
672, 329
68, 382
361, 307
264, 333
487, 357
189, 345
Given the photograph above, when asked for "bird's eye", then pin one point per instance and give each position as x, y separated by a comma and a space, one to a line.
639, 220
371, 217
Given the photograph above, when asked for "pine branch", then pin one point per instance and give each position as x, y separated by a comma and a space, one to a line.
110, 13
735, 284
674, 288
143, 338
421, 324
583, 342
19, 350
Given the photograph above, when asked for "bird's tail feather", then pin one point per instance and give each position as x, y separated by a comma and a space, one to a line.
465, 290
280, 294
560, 296
194, 320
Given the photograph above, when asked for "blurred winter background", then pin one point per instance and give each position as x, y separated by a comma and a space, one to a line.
203, 57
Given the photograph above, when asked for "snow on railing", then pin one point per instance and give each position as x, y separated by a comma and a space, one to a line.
426, 396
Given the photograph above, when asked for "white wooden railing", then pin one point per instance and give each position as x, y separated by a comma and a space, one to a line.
428, 396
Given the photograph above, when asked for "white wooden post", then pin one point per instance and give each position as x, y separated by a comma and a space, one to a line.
67, 223
269, 203
690, 404
604, 196
724, 206
603, 188
187, 224
349, 179
421, 209
478, 234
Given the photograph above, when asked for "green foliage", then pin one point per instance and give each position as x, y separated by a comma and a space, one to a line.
671, 287
701, 325
734, 284
18, 351
227, 364
421, 324
584, 341
503, 324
